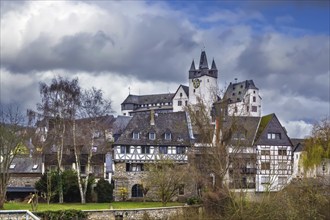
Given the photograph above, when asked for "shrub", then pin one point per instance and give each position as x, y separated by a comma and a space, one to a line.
193, 200
104, 191
69, 214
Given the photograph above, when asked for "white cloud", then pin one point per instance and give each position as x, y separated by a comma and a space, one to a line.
297, 129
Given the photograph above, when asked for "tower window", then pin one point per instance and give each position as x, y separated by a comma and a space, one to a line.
254, 99
180, 94
254, 108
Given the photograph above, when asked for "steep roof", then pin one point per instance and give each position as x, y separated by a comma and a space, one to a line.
185, 89
203, 61
26, 164
203, 68
245, 127
271, 124
175, 122
298, 144
148, 99
236, 91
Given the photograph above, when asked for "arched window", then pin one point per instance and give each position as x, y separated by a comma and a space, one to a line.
137, 191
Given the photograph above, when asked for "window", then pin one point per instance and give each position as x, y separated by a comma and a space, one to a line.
254, 108
282, 165
94, 149
180, 150
168, 136
145, 149
274, 136
152, 136
194, 90
97, 134
254, 99
247, 108
265, 179
180, 94
181, 189
179, 103
97, 170
124, 149
136, 135
137, 191
265, 152
186, 102
163, 149
282, 152
233, 94
239, 136
134, 167
83, 169
265, 165
282, 180
235, 109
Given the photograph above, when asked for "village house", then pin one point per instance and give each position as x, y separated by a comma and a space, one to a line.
147, 138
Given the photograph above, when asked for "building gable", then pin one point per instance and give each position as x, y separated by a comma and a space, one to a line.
271, 132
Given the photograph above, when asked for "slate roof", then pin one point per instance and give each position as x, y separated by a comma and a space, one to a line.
270, 123
148, 99
203, 68
26, 164
247, 126
174, 122
236, 91
298, 144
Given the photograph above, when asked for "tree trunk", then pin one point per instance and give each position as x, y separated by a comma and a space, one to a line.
76, 154
2, 199
59, 168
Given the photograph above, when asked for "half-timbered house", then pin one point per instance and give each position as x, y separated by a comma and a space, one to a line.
147, 138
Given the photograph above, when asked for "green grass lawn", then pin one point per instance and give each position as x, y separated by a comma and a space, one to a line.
88, 206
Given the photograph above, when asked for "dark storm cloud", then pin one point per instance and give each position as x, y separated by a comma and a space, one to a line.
145, 53
290, 67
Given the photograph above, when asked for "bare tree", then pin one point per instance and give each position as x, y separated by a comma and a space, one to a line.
167, 178
92, 107
58, 105
12, 135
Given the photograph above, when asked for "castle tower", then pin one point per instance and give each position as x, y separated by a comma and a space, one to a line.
203, 82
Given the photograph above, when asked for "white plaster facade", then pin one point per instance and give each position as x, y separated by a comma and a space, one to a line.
274, 167
180, 100
249, 106
206, 91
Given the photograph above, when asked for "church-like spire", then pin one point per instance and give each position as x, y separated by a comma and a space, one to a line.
203, 61
192, 67
213, 67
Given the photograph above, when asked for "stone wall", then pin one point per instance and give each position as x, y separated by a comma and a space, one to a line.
136, 214
126, 179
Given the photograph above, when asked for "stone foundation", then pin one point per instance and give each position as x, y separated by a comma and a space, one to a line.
136, 214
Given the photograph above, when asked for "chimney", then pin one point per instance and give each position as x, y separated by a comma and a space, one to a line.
152, 117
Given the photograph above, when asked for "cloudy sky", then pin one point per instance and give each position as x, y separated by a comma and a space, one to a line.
148, 46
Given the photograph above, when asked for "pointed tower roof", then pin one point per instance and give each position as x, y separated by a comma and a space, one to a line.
192, 67
213, 67
203, 61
